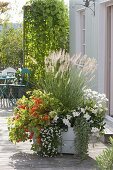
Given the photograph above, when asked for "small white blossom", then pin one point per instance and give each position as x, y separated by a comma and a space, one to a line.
94, 130
91, 121
55, 118
66, 122
69, 117
75, 114
94, 110
87, 116
83, 110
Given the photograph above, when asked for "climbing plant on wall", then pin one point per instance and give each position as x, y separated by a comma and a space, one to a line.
46, 29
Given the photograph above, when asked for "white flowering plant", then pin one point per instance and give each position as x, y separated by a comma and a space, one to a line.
86, 120
50, 139
62, 102
92, 110
83, 109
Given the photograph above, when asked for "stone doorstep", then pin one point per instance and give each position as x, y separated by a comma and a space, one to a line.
108, 129
109, 121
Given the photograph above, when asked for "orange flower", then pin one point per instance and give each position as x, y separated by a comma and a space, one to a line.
34, 114
45, 117
32, 110
22, 107
38, 101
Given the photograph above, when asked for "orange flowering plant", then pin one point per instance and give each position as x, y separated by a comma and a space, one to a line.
33, 121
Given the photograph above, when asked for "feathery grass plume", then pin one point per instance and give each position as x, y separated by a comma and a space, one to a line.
86, 65
65, 77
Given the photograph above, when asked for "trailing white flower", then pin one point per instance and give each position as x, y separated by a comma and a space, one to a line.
69, 117
87, 116
91, 121
83, 110
55, 118
66, 122
94, 130
75, 114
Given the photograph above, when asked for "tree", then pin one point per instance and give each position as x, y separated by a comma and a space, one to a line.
10, 46
3, 7
46, 29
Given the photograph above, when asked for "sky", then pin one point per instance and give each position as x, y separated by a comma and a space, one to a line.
15, 13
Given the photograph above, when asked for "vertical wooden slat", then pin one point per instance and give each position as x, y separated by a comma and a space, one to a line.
108, 57
111, 64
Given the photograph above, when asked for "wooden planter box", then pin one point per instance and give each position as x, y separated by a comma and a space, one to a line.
67, 142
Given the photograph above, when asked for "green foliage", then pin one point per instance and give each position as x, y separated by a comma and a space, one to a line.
67, 90
89, 120
10, 46
82, 131
46, 29
33, 117
3, 7
65, 79
105, 160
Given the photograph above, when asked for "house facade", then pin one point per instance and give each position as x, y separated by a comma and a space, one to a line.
91, 33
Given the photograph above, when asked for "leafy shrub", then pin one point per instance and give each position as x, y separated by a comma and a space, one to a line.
105, 160
32, 117
46, 29
89, 120
66, 77
11, 52
62, 102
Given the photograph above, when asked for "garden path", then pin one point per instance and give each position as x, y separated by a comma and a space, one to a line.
20, 157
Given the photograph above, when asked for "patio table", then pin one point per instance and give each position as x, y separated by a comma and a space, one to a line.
6, 80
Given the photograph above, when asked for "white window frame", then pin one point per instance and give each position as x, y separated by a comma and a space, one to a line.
83, 33
79, 31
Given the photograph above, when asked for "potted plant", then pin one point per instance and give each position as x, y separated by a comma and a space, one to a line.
67, 78
64, 110
33, 121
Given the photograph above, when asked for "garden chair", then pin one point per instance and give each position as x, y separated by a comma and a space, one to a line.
9, 70
11, 74
7, 77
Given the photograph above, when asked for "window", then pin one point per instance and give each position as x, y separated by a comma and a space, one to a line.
83, 30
